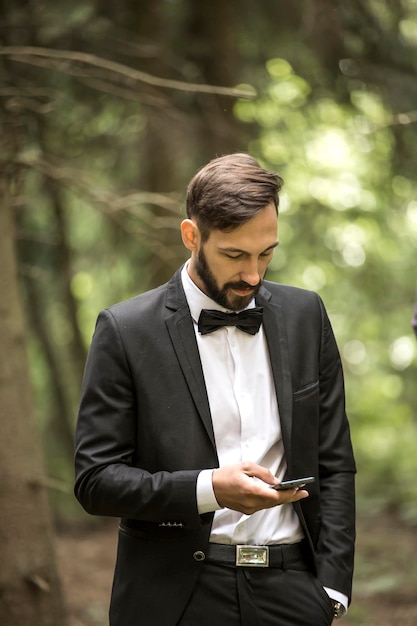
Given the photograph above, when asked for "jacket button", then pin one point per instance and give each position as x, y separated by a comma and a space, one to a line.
199, 555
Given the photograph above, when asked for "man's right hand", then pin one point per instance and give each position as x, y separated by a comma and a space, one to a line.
235, 488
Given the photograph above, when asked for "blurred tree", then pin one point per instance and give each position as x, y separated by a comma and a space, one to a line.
30, 593
99, 103
112, 114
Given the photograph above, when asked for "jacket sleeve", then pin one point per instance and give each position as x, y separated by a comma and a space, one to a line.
108, 482
335, 548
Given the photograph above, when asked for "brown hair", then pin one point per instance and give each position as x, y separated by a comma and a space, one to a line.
229, 191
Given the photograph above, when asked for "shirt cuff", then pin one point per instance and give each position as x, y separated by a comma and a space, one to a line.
206, 500
336, 595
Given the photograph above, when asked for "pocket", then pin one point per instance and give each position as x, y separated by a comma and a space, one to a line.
324, 598
308, 390
317, 607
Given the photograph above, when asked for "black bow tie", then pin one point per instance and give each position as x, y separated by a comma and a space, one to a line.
249, 320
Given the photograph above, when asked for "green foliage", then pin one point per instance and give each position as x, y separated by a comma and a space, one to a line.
348, 230
96, 152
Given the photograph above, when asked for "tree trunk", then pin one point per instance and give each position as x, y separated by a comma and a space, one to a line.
210, 43
30, 593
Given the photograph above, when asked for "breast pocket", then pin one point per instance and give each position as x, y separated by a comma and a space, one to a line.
307, 392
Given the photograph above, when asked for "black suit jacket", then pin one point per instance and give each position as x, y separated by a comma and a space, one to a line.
144, 433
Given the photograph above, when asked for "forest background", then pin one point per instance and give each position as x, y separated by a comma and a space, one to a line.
107, 109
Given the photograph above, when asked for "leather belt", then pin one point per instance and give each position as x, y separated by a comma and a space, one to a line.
282, 556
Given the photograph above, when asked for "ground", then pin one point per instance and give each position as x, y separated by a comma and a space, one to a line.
385, 588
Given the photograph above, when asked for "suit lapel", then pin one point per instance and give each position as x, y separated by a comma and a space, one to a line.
181, 330
274, 328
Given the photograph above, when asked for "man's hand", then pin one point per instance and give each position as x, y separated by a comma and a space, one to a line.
235, 488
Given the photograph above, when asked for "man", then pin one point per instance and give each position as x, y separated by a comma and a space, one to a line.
185, 425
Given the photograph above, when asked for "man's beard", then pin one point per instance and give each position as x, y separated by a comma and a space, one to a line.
223, 295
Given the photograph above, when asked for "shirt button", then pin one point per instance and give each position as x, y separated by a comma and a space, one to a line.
199, 555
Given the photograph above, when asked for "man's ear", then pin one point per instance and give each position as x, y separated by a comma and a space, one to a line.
190, 235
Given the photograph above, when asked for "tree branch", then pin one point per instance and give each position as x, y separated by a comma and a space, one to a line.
23, 53
113, 206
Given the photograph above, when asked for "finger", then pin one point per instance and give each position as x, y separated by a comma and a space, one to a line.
299, 494
257, 471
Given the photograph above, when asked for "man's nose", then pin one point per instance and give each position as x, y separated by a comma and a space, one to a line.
250, 273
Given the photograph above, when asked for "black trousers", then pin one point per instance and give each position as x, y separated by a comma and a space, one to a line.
227, 595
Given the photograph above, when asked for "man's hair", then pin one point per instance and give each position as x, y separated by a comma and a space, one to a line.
229, 191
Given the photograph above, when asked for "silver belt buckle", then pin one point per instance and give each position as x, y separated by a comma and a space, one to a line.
252, 556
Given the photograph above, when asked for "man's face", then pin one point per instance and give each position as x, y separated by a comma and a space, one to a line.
229, 266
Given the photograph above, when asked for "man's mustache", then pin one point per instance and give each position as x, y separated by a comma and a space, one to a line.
242, 285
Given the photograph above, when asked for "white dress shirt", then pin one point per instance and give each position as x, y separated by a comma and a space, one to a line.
244, 410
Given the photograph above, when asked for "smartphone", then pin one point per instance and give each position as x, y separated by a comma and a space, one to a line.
292, 484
